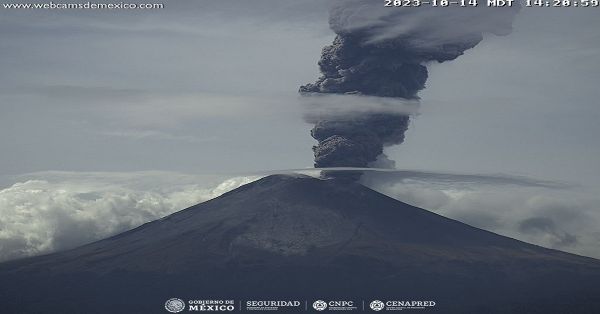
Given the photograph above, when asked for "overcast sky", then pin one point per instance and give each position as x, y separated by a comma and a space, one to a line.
210, 87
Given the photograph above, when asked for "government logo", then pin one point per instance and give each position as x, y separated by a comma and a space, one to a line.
175, 305
320, 305
377, 305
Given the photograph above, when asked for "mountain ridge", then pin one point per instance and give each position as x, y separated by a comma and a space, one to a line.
298, 236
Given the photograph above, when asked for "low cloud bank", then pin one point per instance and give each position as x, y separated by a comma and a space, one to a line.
554, 215
53, 211
50, 211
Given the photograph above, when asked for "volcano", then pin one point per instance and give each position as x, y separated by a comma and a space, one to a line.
301, 238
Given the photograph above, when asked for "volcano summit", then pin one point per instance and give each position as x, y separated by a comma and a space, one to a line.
298, 237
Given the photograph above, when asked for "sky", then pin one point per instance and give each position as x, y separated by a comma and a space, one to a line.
157, 109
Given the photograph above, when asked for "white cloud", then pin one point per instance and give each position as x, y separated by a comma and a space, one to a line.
319, 106
551, 215
63, 210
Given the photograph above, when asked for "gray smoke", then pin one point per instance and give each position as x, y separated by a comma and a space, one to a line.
383, 52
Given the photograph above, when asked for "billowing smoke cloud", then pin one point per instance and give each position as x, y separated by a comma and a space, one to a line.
383, 52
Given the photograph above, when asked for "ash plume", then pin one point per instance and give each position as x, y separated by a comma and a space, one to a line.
383, 52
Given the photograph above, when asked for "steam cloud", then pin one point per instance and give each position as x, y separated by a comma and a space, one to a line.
383, 52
